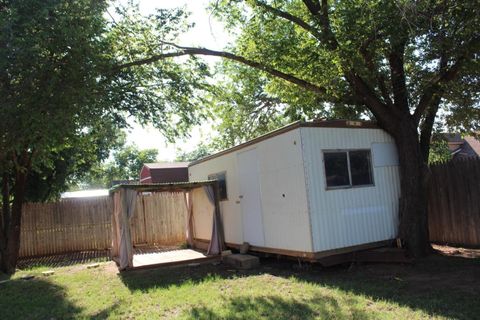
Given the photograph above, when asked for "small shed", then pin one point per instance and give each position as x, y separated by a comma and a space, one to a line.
309, 190
203, 193
164, 172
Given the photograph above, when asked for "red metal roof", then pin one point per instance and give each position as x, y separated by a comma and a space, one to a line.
166, 165
164, 172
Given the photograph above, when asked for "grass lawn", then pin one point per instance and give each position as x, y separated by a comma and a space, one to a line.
438, 287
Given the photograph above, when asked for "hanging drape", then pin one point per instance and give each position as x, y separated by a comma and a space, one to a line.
216, 244
117, 208
123, 211
189, 227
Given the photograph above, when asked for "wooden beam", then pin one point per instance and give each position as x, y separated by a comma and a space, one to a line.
314, 256
203, 260
163, 187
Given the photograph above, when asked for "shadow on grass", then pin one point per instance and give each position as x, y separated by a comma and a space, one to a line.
64, 260
165, 277
274, 307
107, 312
438, 285
35, 299
443, 286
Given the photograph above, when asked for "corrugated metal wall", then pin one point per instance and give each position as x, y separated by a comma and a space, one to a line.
231, 214
282, 186
284, 198
348, 217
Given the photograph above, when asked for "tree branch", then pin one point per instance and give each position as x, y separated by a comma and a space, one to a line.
427, 126
435, 86
190, 51
381, 81
445, 75
289, 17
325, 19
320, 13
366, 94
313, 6
4, 220
362, 90
397, 76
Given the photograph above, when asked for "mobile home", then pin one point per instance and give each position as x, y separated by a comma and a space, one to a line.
310, 189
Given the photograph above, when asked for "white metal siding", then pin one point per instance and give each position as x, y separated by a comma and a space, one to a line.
284, 200
202, 214
230, 210
347, 217
286, 222
251, 197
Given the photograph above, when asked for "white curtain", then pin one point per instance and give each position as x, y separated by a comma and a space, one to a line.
216, 242
117, 208
189, 227
126, 212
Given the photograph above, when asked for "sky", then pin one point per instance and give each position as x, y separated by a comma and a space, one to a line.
208, 32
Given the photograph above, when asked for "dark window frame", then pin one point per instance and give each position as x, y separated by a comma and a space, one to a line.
214, 176
350, 185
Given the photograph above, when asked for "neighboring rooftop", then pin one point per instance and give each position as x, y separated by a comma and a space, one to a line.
166, 165
164, 172
462, 147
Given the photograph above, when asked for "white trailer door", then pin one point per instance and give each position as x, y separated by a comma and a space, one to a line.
250, 198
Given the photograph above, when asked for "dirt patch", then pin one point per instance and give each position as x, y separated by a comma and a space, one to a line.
64, 260
448, 268
457, 251
110, 267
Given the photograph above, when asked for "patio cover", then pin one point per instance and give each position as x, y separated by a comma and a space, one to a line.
124, 198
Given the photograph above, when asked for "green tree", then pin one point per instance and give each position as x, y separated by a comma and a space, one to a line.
72, 163
48, 72
125, 164
129, 161
397, 62
439, 152
201, 151
60, 81
249, 104
245, 109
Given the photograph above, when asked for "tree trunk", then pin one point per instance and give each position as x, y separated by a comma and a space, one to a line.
5, 202
10, 249
5, 216
413, 227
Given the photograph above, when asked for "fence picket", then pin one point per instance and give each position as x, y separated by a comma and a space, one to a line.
454, 202
85, 224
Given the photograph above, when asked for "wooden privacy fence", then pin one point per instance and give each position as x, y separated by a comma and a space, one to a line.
66, 226
454, 202
85, 224
160, 219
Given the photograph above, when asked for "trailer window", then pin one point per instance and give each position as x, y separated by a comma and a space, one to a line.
336, 169
348, 168
361, 167
222, 184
